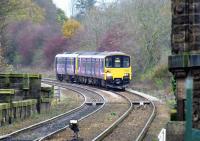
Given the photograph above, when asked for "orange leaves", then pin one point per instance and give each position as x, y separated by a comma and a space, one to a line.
70, 27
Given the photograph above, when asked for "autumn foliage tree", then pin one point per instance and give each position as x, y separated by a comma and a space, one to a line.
30, 29
54, 46
112, 39
12, 11
70, 27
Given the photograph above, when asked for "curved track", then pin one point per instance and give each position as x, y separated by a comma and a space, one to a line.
116, 123
93, 102
133, 125
112, 131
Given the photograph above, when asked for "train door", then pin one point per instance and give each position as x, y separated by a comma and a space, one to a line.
89, 67
93, 66
96, 68
101, 67
74, 68
66, 65
83, 66
86, 66
79, 66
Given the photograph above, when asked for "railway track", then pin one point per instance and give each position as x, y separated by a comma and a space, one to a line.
92, 103
135, 124
104, 133
137, 128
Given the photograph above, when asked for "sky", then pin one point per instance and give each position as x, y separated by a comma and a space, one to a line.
65, 5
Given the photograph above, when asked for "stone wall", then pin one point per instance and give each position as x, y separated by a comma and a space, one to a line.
21, 95
185, 42
185, 37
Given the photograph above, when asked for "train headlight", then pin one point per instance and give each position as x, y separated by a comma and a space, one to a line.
126, 74
108, 74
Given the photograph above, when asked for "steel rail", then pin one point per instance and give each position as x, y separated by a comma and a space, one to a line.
62, 129
116, 123
144, 129
147, 125
49, 120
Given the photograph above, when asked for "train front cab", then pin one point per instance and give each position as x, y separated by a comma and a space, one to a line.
117, 71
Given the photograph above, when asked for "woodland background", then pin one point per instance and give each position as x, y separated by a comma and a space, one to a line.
32, 32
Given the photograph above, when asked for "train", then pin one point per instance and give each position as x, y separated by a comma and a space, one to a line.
105, 69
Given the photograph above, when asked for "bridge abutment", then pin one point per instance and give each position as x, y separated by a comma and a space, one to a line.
185, 58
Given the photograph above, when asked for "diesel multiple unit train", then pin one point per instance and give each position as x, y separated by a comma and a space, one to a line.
106, 69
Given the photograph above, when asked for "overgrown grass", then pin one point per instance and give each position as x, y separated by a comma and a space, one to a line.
158, 75
171, 103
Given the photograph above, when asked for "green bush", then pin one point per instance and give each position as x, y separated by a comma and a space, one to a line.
159, 83
173, 115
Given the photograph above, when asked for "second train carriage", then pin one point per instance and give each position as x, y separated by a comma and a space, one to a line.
108, 69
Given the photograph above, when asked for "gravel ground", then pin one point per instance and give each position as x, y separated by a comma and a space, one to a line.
162, 117
68, 101
94, 125
127, 131
54, 125
132, 96
130, 128
162, 109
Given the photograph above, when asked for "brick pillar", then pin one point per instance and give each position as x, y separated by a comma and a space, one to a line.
185, 43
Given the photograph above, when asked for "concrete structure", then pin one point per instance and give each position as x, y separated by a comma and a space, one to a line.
21, 95
185, 58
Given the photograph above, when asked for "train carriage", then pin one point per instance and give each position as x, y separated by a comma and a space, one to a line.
108, 69
90, 68
65, 66
60, 66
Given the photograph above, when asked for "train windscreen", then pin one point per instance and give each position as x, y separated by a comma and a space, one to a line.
117, 61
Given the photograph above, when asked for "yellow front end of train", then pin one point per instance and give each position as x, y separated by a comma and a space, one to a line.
117, 71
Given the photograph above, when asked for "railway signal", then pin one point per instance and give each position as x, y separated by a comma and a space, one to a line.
73, 125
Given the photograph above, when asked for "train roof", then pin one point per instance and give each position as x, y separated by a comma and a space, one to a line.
85, 54
67, 55
101, 54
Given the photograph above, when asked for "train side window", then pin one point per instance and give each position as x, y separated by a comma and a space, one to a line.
102, 65
83, 65
108, 62
60, 61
